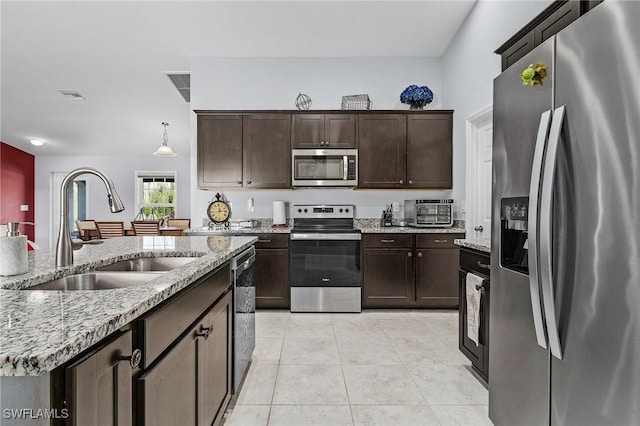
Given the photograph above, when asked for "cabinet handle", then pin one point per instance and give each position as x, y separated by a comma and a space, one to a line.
483, 265
481, 288
410, 181
387, 241
400, 181
478, 228
248, 182
264, 241
204, 332
134, 359
321, 143
326, 143
440, 241
419, 254
409, 254
239, 182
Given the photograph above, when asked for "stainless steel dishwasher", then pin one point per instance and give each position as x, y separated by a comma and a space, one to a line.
244, 307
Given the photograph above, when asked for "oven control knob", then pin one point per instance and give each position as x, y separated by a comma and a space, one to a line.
346, 210
299, 210
340, 210
305, 210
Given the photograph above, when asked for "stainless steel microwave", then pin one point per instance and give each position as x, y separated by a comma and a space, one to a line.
324, 167
428, 213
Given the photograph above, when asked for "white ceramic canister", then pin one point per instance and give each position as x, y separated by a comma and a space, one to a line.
13, 252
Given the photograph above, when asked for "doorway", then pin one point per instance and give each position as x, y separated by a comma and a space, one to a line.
479, 161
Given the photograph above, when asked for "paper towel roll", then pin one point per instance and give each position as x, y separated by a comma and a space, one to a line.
13, 255
279, 213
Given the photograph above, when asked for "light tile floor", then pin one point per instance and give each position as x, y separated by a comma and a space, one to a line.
388, 368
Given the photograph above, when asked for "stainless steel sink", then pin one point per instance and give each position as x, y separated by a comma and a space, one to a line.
97, 281
152, 264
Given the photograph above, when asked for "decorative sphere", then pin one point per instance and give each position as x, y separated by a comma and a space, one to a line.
303, 102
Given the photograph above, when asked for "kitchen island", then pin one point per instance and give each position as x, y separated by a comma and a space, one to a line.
41, 330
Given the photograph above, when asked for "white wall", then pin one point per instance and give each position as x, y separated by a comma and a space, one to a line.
469, 67
121, 170
274, 83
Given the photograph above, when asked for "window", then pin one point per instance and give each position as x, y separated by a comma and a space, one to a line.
156, 195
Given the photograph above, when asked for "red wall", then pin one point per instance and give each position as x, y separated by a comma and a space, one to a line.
17, 177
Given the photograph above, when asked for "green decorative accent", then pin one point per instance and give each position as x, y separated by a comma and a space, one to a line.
533, 75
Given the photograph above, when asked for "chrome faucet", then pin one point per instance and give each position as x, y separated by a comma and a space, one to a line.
64, 247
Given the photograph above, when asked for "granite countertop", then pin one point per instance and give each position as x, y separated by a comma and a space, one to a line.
366, 226
476, 244
42, 329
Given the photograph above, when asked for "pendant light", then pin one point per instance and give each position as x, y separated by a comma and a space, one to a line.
164, 150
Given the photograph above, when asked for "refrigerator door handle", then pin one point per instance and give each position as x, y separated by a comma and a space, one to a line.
534, 206
546, 231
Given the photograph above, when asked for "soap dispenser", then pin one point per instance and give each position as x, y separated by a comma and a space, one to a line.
13, 251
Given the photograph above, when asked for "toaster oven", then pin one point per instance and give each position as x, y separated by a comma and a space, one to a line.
428, 213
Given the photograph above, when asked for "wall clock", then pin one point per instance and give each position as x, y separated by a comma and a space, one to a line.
219, 210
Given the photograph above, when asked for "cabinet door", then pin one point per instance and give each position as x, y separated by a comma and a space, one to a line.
267, 151
437, 277
381, 151
219, 151
99, 386
517, 50
388, 278
556, 21
467, 346
167, 393
307, 131
213, 341
429, 150
340, 131
272, 278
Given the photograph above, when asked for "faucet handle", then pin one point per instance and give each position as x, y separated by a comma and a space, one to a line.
77, 243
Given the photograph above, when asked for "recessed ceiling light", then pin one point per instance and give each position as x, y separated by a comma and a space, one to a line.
36, 142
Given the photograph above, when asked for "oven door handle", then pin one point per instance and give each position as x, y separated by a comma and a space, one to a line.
318, 236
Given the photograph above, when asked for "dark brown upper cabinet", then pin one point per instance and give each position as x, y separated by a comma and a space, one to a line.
429, 150
266, 151
381, 150
554, 18
411, 150
323, 131
250, 151
219, 151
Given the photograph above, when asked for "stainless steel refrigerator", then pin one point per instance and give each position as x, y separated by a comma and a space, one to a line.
565, 269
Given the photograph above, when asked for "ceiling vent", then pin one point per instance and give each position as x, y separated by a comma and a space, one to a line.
72, 95
182, 81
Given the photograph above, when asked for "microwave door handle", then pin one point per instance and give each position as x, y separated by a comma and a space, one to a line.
534, 206
345, 167
546, 232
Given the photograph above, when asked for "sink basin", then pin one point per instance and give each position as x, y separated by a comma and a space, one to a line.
97, 281
152, 264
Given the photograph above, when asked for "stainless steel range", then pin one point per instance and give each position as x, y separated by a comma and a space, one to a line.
325, 259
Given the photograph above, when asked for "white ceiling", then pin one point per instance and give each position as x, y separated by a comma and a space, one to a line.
115, 54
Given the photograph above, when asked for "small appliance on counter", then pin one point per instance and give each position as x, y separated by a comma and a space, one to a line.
428, 213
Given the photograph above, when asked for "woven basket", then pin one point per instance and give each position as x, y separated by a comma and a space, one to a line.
356, 102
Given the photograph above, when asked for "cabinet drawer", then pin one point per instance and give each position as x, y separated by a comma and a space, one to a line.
475, 262
387, 240
437, 240
272, 241
160, 328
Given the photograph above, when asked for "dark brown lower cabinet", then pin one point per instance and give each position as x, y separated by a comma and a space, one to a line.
191, 384
388, 278
408, 271
436, 270
98, 388
472, 261
272, 271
